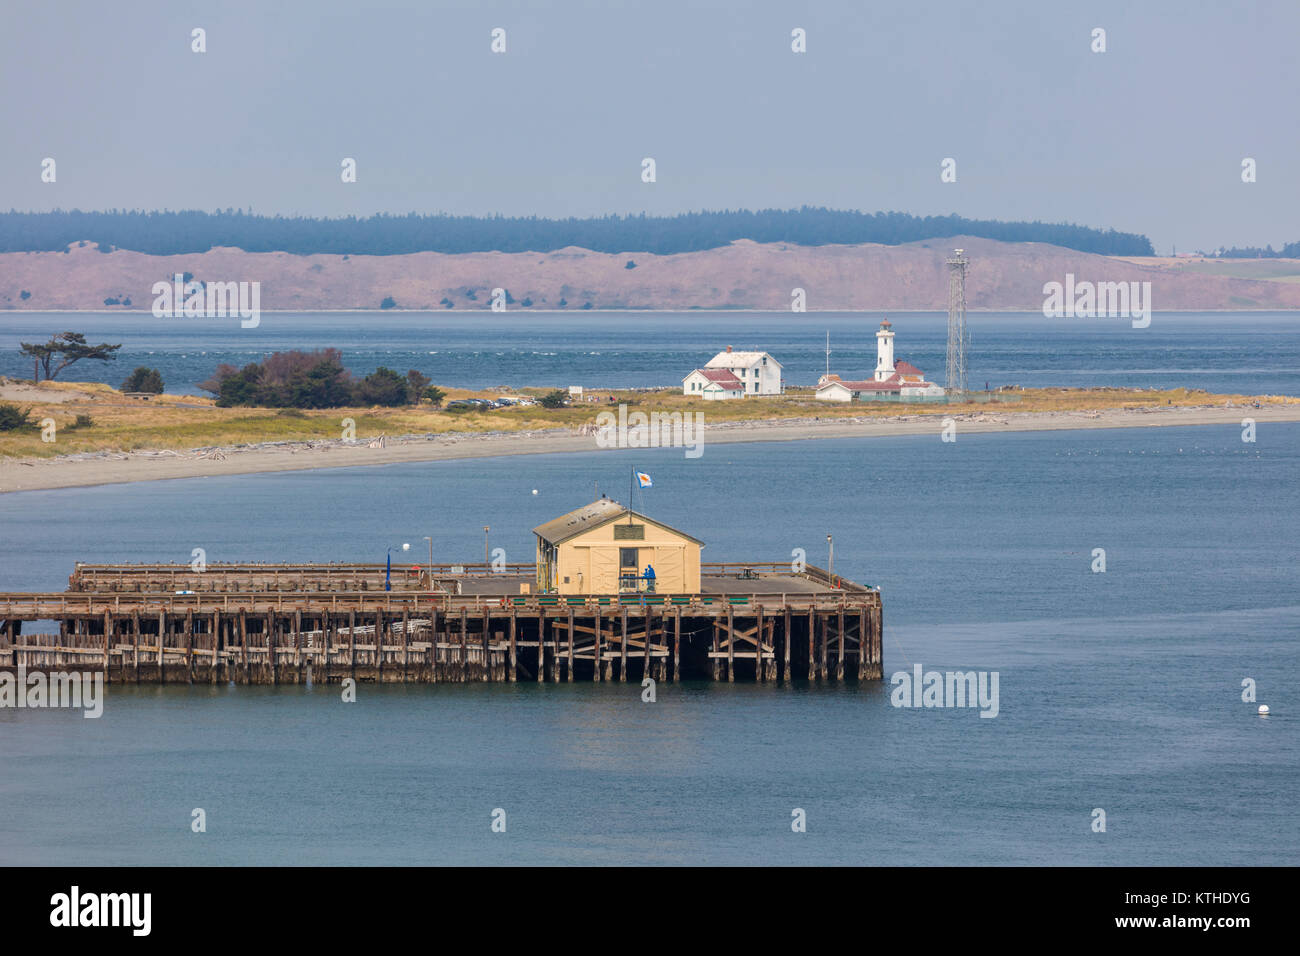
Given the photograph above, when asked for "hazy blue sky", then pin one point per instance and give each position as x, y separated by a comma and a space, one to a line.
1147, 137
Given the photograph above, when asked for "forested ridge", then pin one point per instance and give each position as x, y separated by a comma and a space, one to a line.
193, 231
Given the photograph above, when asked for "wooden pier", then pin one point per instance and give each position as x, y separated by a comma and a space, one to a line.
281, 623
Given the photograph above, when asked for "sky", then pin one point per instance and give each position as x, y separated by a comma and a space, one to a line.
1148, 136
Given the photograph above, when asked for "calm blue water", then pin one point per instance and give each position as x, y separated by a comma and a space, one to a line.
1247, 353
1118, 690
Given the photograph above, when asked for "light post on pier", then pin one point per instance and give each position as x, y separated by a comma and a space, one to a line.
388, 570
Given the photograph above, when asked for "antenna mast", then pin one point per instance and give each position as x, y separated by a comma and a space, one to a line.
958, 338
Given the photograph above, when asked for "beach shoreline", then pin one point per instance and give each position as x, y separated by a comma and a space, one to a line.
105, 468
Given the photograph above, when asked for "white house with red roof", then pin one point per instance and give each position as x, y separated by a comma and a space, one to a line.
891, 381
732, 374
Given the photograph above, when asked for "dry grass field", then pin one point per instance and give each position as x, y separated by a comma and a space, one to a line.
122, 423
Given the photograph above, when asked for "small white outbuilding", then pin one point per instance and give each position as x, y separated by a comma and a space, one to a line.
712, 384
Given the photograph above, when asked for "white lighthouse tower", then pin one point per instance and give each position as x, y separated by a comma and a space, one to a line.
884, 352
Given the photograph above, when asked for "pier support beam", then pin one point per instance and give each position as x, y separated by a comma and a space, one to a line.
785, 642
677, 645
572, 638
514, 659
839, 654
812, 653
731, 648
622, 664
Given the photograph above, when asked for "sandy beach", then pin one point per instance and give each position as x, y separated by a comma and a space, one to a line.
104, 468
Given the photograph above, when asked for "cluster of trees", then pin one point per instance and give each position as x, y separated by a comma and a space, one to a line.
173, 233
144, 380
317, 379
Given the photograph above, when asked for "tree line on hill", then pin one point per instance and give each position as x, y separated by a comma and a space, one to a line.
1290, 251
192, 231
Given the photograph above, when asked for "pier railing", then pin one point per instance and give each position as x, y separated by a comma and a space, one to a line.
63, 604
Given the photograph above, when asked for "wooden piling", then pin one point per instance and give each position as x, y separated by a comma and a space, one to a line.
431, 655
352, 644
189, 646
864, 643
572, 635
514, 660
406, 644
677, 644
823, 664
785, 642
839, 654
812, 655
541, 647
731, 648
108, 642
464, 645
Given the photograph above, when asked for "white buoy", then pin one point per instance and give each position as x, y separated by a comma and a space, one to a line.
534, 491
1263, 710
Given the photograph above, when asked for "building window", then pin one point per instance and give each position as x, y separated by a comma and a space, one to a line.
627, 558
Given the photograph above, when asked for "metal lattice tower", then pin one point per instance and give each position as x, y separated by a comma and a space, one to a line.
958, 339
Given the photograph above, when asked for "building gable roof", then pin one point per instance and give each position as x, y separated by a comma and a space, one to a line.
598, 513
739, 359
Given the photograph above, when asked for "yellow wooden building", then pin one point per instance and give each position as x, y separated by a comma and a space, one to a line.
604, 548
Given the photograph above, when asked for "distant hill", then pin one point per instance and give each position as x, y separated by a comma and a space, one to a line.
741, 275
177, 233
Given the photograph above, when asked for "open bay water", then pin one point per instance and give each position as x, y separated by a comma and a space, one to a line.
1119, 691
1254, 353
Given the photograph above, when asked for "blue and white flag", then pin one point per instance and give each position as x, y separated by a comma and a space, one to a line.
643, 480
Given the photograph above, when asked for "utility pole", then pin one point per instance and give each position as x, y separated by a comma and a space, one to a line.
487, 557
828, 354
830, 546
958, 338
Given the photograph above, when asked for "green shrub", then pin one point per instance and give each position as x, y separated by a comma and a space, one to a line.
144, 380
13, 418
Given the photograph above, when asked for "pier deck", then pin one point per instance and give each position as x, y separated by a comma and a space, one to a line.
269, 624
